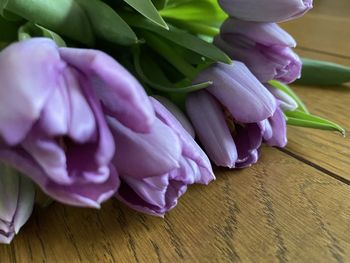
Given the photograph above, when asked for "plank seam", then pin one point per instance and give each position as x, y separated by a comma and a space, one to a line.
315, 166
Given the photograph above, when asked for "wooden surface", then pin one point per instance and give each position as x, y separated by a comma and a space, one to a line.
294, 206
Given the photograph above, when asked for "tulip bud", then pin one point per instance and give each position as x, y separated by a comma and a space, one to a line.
266, 10
16, 202
264, 47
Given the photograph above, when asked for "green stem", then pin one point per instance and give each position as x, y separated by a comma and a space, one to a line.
160, 46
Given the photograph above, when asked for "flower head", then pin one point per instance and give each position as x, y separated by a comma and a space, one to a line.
159, 165
264, 47
266, 10
52, 121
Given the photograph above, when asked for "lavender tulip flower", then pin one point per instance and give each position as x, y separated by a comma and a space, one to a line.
52, 127
266, 10
16, 202
156, 168
286, 103
264, 47
230, 117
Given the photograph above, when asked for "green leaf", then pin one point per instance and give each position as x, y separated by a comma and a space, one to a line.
150, 72
322, 73
285, 88
160, 4
181, 38
205, 12
107, 24
147, 9
30, 30
65, 17
302, 119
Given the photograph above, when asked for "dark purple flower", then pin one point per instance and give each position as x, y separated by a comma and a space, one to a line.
265, 48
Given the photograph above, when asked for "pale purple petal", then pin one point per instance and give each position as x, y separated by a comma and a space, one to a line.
175, 111
268, 34
266, 10
26, 83
278, 124
209, 122
239, 91
122, 95
143, 155
286, 102
190, 148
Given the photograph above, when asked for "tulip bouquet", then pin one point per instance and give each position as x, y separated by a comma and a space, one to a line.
112, 99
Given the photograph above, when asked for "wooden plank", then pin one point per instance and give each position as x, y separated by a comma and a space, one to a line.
338, 8
328, 150
278, 211
323, 33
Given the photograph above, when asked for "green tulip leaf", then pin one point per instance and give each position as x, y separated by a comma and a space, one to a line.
302, 119
148, 10
151, 73
107, 24
181, 38
64, 17
160, 4
285, 88
323, 73
205, 12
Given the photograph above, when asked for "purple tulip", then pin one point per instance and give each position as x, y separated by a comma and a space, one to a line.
156, 168
264, 47
230, 116
51, 120
266, 10
180, 116
274, 129
286, 102
16, 202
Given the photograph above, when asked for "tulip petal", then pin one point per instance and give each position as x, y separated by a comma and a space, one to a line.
25, 203
286, 102
22, 98
279, 128
121, 94
143, 155
239, 91
84, 194
9, 193
209, 122
268, 34
248, 139
190, 149
266, 10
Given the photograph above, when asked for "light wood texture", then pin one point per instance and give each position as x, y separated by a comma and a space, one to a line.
273, 212
293, 206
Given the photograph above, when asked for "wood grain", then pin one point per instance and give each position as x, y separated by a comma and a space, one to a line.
322, 33
273, 212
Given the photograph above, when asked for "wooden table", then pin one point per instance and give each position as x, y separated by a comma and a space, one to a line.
293, 206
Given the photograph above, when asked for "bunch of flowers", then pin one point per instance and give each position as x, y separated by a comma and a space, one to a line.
109, 99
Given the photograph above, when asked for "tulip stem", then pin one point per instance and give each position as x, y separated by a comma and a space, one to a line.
165, 50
